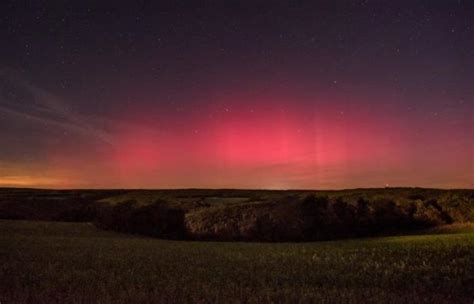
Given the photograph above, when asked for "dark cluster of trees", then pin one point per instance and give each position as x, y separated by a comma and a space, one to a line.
327, 219
289, 219
157, 219
321, 218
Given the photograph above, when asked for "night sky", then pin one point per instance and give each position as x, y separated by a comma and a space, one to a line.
237, 94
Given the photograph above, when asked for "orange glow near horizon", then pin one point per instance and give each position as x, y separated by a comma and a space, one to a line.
30, 181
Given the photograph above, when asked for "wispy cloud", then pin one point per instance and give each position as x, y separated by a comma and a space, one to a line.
22, 99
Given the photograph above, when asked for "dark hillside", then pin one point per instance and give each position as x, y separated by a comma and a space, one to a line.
246, 215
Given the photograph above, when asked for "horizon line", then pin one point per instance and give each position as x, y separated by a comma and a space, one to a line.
233, 189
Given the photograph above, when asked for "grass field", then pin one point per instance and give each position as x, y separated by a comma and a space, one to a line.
55, 262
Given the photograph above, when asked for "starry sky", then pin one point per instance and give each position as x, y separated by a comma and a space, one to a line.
237, 94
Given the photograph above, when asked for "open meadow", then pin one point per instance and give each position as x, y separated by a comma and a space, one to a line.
58, 262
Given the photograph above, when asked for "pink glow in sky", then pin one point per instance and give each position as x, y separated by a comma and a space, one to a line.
263, 142
282, 95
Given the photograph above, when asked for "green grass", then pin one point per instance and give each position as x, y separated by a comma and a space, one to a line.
46, 262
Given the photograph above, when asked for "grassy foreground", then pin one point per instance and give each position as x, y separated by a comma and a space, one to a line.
54, 262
